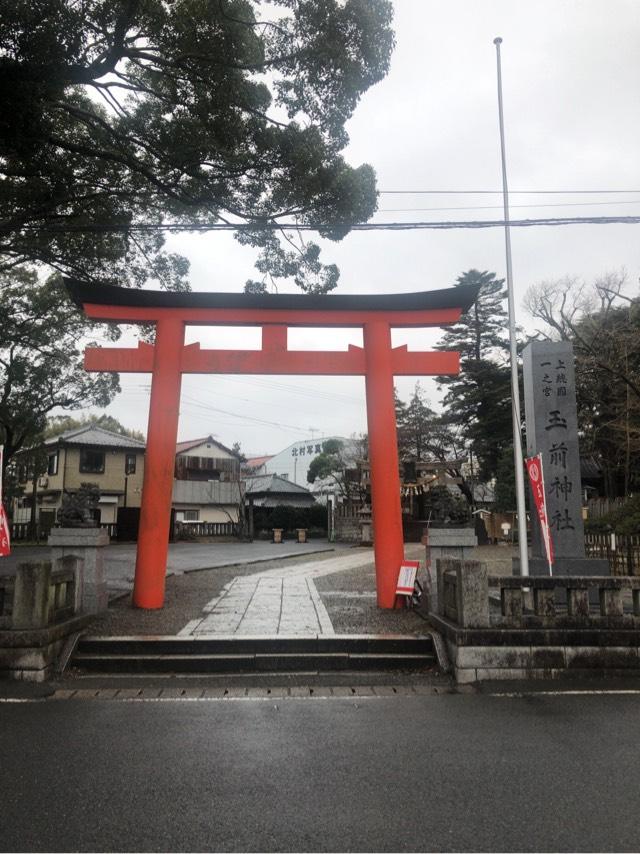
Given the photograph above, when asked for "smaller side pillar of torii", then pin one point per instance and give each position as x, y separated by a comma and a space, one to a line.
168, 358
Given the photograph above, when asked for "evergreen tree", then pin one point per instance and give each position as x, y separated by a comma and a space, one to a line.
482, 331
505, 488
478, 400
416, 425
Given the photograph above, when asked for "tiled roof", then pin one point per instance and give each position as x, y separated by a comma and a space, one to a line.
192, 443
256, 462
96, 436
182, 447
261, 483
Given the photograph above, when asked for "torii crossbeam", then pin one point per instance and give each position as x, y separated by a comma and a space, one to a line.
169, 358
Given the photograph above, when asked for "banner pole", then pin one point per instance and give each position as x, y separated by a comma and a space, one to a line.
515, 390
547, 529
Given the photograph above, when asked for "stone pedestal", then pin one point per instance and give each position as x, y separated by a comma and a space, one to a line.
457, 543
87, 544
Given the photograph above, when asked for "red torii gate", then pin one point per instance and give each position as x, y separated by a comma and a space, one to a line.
169, 358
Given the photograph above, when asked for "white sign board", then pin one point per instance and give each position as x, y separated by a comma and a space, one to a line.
407, 577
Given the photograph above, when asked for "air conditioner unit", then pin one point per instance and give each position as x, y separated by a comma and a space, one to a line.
43, 482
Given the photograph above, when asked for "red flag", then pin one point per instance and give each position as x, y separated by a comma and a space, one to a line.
5, 546
534, 467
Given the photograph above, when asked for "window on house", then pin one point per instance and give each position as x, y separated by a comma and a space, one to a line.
91, 461
130, 464
191, 515
52, 463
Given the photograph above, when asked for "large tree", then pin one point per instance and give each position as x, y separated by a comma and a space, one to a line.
478, 400
41, 359
116, 114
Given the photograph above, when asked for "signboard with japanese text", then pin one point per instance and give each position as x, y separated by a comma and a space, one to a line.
407, 577
552, 433
536, 479
5, 545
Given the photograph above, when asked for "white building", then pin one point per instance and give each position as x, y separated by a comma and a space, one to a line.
293, 463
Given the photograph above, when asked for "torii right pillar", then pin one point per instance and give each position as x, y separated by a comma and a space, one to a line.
386, 507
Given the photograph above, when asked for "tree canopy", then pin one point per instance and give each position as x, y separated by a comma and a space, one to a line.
121, 114
41, 359
339, 465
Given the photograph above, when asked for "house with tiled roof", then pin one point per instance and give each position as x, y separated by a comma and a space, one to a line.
207, 484
270, 490
88, 454
206, 487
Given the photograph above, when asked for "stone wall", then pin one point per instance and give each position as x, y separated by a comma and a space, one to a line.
536, 628
38, 614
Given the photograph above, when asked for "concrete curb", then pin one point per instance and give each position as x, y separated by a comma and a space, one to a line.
251, 562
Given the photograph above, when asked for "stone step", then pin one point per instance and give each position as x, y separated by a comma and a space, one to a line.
172, 644
253, 655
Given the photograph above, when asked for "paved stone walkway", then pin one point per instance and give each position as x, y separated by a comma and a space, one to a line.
282, 601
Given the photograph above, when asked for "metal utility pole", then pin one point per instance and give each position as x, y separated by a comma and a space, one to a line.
515, 390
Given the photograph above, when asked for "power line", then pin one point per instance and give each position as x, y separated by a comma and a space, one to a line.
192, 402
499, 207
497, 192
353, 226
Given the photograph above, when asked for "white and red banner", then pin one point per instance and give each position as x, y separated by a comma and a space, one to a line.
5, 546
536, 476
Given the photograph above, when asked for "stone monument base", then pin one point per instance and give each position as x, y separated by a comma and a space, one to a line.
564, 566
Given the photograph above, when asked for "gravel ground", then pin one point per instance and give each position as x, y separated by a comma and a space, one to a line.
351, 612
185, 597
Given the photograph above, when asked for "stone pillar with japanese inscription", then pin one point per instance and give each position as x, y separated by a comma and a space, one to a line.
552, 431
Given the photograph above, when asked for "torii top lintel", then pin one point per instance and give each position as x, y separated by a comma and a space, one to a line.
127, 305
274, 313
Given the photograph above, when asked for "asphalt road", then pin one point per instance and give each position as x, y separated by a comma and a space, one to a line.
447, 772
120, 559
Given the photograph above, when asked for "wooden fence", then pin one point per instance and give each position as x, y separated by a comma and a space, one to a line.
622, 552
208, 529
597, 507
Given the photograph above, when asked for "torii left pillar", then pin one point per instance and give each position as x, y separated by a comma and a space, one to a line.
162, 435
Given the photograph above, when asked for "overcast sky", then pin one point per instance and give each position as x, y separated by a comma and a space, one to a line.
572, 110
